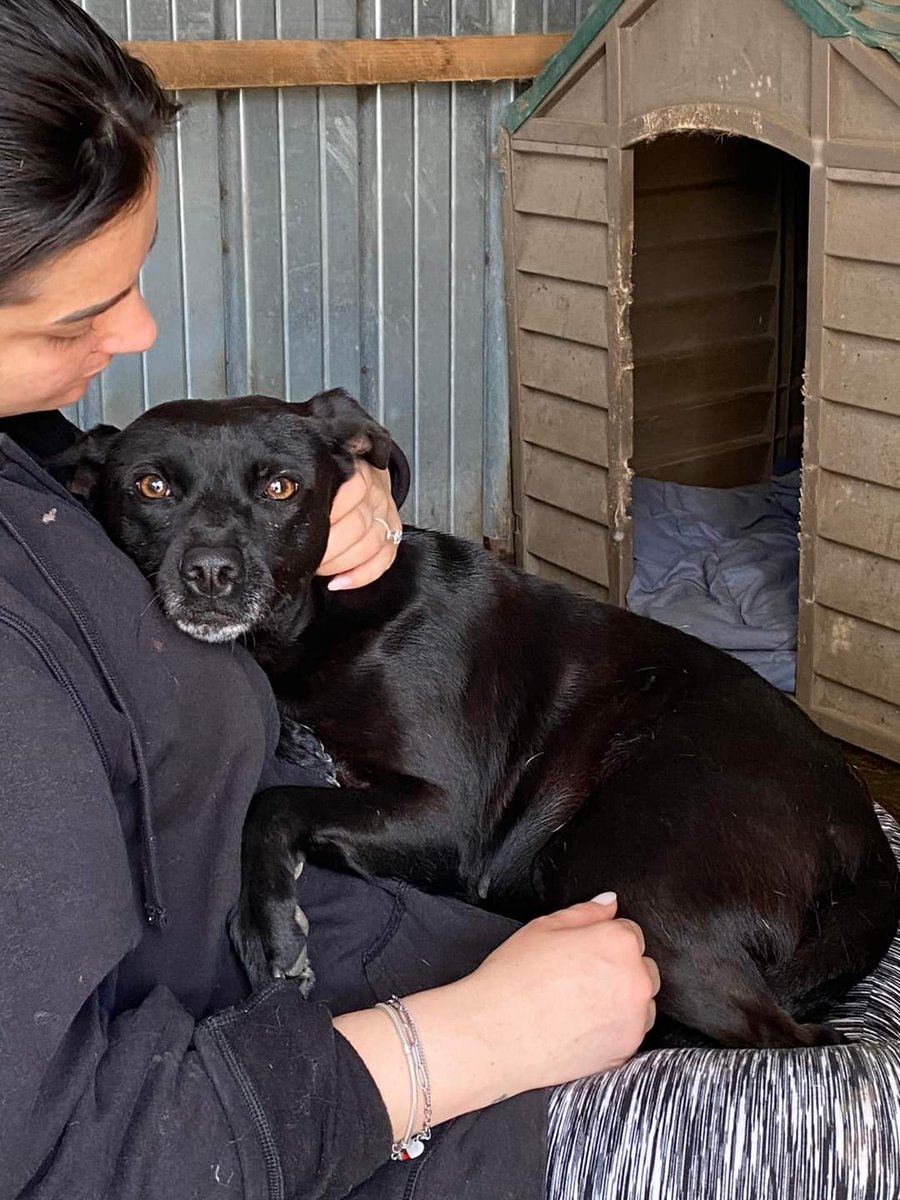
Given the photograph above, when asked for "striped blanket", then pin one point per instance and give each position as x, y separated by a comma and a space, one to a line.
809, 1124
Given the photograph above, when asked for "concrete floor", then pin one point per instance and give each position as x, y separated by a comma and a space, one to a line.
882, 777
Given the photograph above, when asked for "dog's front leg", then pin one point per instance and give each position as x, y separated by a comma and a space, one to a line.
268, 928
396, 826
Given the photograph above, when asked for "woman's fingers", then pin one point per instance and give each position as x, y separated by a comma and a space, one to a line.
363, 513
367, 572
352, 492
653, 971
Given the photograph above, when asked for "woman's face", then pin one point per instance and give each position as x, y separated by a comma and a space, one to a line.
81, 309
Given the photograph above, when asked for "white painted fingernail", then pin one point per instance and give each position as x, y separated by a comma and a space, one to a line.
340, 583
604, 898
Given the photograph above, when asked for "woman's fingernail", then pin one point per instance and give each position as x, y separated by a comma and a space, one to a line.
604, 898
340, 583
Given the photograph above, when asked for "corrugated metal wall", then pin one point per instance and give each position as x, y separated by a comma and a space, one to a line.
339, 236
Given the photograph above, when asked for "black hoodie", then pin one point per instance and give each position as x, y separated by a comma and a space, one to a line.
132, 1061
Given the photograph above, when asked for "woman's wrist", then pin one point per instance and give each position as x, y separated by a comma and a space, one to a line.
457, 1045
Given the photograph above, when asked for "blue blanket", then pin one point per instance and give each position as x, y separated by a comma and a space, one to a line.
722, 564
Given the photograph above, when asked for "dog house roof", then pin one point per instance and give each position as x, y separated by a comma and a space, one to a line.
872, 22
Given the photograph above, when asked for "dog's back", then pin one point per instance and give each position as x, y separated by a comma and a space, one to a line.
500, 738
585, 748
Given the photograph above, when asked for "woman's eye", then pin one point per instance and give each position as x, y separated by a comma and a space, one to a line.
153, 487
62, 340
281, 488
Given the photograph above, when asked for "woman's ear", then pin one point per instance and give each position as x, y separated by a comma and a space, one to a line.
348, 428
79, 466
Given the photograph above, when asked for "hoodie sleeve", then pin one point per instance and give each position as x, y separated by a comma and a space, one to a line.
265, 1100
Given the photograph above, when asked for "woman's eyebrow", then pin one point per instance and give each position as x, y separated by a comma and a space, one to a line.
95, 310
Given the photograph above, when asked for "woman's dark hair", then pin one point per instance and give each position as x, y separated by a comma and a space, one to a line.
79, 122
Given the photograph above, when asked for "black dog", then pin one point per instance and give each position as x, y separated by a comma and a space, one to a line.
497, 738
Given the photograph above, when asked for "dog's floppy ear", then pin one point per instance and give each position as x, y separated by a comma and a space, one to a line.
349, 428
79, 466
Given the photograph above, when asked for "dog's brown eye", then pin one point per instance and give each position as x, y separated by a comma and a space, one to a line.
152, 487
280, 488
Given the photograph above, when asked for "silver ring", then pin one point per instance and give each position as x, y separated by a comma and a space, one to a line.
390, 535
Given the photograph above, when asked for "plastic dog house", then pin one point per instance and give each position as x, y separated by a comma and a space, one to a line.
702, 229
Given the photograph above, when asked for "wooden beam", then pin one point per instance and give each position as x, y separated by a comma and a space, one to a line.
284, 63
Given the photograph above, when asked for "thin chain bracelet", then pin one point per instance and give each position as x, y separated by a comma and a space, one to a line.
411, 1144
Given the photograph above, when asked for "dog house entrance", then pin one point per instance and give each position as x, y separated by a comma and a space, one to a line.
718, 323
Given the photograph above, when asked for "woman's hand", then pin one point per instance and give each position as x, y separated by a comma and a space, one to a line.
359, 550
568, 995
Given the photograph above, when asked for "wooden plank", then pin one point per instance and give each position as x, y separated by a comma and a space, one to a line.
859, 514
863, 585
698, 214
871, 178
684, 432
863, 221
670, 380
857, 654
566, 133
568, 541
863, 444
567, 483
561, 149
576, 311
579, 430
701, 267
338, 62
862, 297
674, 326
568, 579
560, 247
862, 371
560, 186
857, 718
564, 368
731, 467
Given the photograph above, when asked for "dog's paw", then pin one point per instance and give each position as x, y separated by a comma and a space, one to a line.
300, 970
269, 934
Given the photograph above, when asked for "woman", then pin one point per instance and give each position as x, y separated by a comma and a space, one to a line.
133, 1061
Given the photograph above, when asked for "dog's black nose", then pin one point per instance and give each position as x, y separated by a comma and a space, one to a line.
211, 571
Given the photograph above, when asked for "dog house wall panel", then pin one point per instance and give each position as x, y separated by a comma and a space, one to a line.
558, 293
696, 371
850, 576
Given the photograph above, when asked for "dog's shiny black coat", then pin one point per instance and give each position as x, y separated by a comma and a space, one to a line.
500, 739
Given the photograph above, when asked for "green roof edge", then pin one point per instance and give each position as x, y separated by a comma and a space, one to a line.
826, 18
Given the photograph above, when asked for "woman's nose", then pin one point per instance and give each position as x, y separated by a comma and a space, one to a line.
127, 328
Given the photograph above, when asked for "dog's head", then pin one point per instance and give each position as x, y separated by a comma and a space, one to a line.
224, 504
